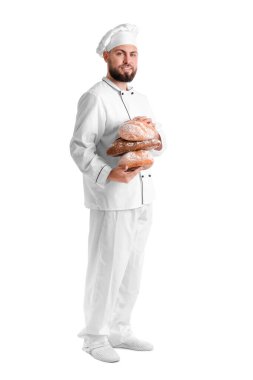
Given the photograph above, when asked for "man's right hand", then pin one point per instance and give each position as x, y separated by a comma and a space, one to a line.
120, 174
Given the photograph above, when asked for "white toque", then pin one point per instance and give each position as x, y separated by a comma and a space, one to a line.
123, 34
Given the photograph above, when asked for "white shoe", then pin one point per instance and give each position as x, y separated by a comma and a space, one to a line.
104, 353
133, 343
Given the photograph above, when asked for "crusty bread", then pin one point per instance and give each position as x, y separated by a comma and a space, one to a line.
137, 130
135, 159
121, 146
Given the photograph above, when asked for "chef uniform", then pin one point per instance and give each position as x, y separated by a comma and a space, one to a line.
120, 213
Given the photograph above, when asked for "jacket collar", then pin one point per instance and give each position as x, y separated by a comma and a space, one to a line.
112, 84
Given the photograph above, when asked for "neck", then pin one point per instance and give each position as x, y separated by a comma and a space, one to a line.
121, 85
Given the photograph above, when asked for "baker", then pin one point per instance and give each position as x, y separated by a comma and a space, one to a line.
120, 201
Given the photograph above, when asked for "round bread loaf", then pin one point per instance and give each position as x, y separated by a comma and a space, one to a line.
137, 130
135, 159
120, 146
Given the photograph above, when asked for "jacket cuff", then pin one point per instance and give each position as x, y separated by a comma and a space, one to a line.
103, 174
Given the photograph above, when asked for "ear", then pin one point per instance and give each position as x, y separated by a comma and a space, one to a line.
105, 55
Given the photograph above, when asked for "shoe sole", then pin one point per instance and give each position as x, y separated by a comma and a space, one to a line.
133, 348
106, 361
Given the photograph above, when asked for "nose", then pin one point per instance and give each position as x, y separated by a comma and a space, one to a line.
127, 58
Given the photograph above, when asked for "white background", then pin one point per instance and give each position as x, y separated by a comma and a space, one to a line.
195, 304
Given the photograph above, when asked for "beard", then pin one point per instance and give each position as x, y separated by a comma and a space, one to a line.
120, 76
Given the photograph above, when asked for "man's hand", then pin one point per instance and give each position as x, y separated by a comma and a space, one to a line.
158, 137
120, 174
145, 119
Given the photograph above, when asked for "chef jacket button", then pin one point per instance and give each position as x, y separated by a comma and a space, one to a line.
142, 176
132, 93
149, 175
122, 93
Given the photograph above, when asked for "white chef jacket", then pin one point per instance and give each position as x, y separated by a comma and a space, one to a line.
100, 111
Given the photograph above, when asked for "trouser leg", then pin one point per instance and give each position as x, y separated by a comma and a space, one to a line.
120, 320
110, 239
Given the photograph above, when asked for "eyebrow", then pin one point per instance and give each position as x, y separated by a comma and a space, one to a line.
135, 51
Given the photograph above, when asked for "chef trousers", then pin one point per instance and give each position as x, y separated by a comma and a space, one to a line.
116, 243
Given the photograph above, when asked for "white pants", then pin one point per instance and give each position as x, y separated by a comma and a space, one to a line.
115, 259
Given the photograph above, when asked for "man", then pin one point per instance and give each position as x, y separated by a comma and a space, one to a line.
120, 201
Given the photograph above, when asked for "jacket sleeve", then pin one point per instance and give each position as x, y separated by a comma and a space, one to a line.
88, 130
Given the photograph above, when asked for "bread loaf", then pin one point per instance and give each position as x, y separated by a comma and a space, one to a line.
135, 159
137, 130
120, 146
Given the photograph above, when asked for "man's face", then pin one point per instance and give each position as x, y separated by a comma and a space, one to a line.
122, 62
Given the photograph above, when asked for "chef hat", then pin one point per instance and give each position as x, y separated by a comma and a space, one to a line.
123, 34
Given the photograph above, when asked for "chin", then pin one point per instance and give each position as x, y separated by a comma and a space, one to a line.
130, 77
121, 77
